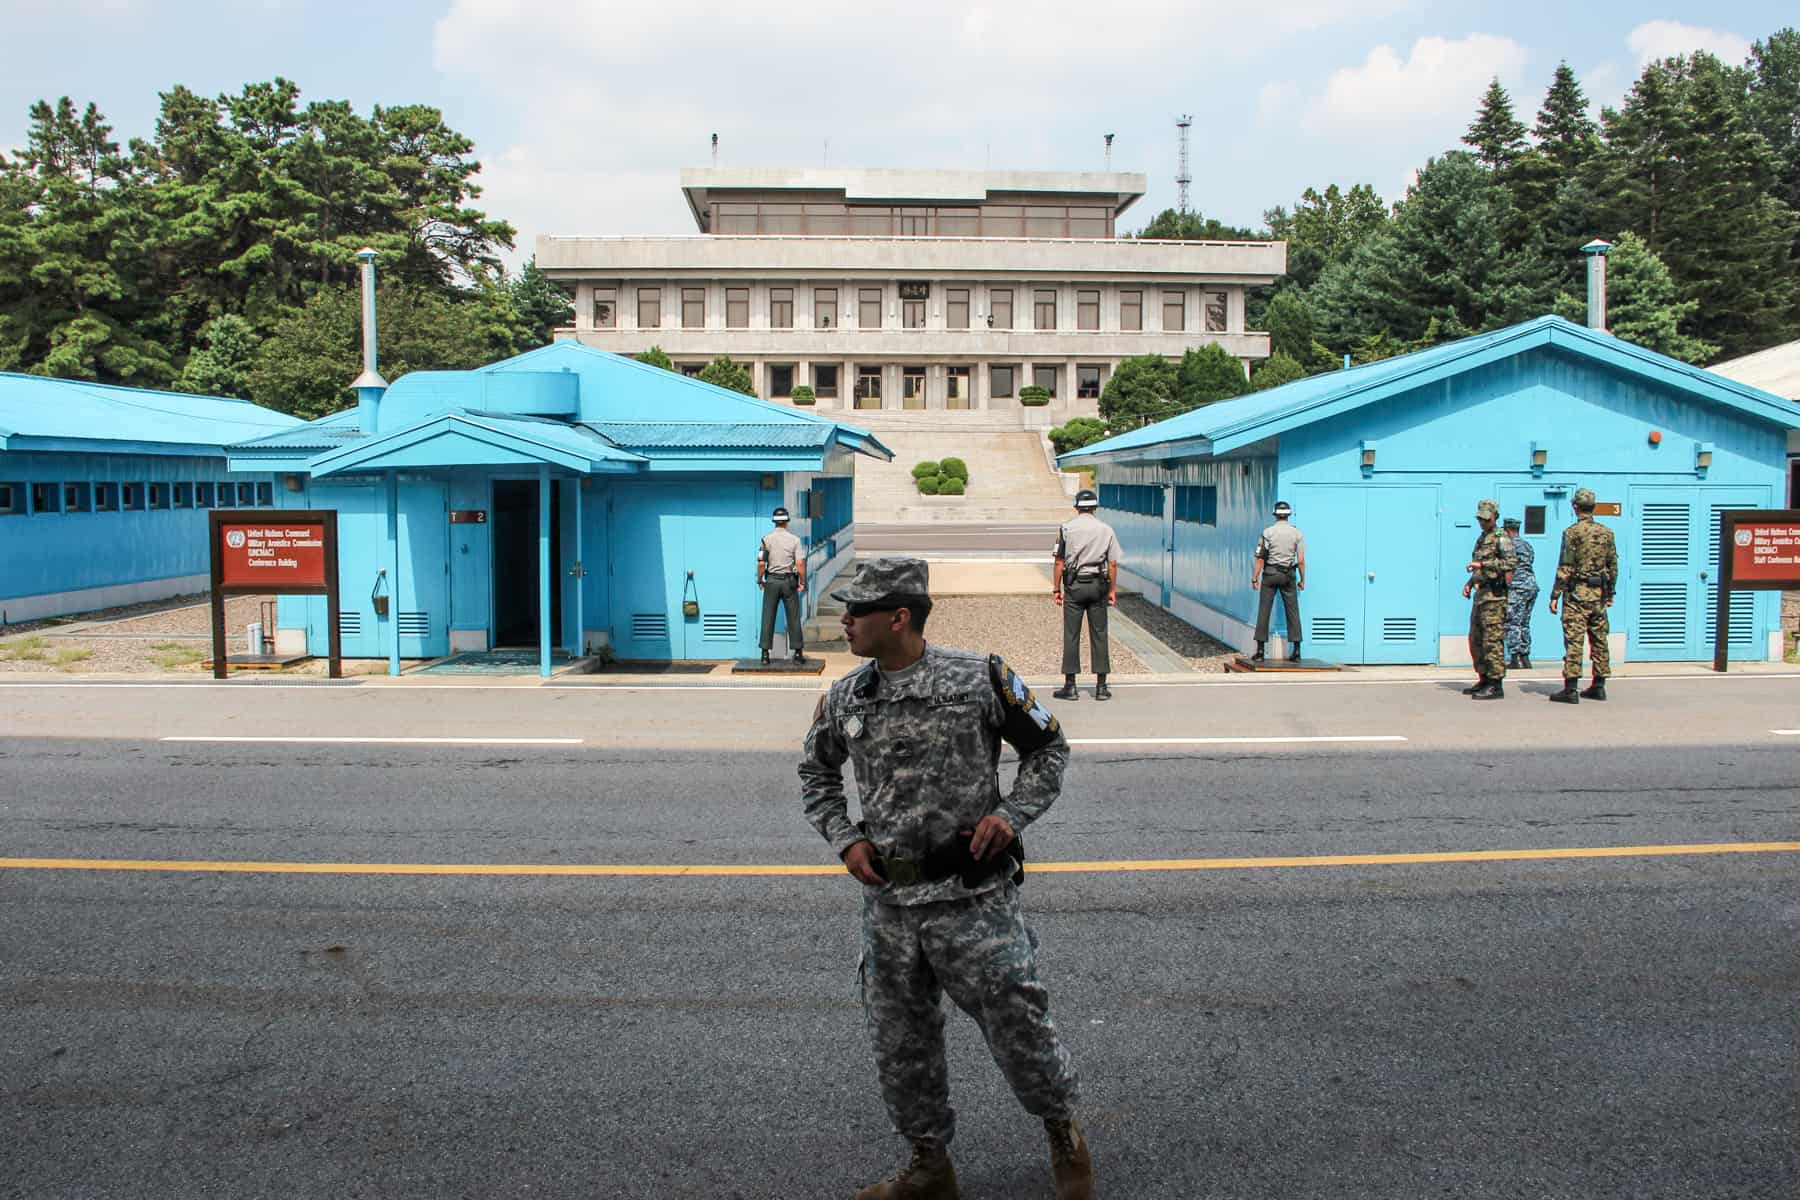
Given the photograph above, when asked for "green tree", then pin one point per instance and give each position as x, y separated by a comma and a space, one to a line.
1192, 227
1290, 324
1141, 390
1643, 305
1496, 135
1774, 106
1207, 374
223, 362
1565, 132
542, 305
1077, 432
1325, 228
734, 377
656, 358
1276, 370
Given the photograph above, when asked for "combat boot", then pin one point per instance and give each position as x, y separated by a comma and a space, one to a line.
1598, 691
1101, 691
1258, 656
1070, 1163
1067, 691
1568, 695
765, 658
1493, 689
928, 1175
1294, 655
1481, 681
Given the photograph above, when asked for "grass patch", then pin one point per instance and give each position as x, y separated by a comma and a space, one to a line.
66, 657
175, 654
29, 649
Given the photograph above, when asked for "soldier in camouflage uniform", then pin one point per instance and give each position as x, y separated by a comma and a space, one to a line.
1490, 570
1521, 594
935, 852
1586, 575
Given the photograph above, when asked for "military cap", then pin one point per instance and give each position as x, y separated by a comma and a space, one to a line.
1283, 509
780, 513
882, 579
1510, 523
1085, 498
1584, 497
1488, 509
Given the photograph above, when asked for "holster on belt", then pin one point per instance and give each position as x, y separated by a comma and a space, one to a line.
951, 858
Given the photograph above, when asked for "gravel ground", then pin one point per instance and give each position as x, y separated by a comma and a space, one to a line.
1202, 651
1024, 630
129, 639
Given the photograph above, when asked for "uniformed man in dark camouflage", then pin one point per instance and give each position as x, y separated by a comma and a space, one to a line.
1490, 571
1586, 576
938, 855
1521, 597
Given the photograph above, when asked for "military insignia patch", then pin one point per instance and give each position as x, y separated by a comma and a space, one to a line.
853, 725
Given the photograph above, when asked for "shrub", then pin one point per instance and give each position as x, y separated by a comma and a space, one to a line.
1276, 370
928, 467
802, 395
951, 486
656, 358
928, 485
1033, 396
733, 377
1078, 432
955, 467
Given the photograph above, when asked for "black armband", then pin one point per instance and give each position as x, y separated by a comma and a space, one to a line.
1025, 723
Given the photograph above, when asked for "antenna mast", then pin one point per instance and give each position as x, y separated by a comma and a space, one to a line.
1182, 178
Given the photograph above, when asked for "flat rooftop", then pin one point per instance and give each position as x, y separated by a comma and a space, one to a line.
898, 186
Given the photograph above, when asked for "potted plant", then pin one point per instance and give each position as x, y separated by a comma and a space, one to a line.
802, 395
1033, 396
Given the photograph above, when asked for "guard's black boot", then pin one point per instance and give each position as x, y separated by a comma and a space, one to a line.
1067, 690
1491, 690
800, 656
1598, 691
1480, 682
1101, 691
765, 658
1294, 654
1568, 695
1519, 662
1258, 656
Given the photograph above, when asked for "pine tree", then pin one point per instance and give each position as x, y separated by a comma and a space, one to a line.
1643, 305
1565, 133
1496, 135
734, 377
1207, 374
1774, 111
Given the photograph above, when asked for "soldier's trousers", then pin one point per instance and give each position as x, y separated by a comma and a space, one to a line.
783, 590
1487, 633
980, 952
1584, 628
1519, 602
1278, 579
1085, 596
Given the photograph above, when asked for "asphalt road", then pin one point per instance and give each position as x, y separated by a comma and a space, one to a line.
1621, 1026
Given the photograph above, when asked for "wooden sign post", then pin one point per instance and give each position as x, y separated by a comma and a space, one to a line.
275, 552
1759, 551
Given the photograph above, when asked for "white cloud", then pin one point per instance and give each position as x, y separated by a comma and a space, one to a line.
1275, 98
1435, 87
1655, 40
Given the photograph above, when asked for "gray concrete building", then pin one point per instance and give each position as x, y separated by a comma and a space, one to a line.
939, 291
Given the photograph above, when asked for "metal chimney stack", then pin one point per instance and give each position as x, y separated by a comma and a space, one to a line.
369, 385
1596, 283
1109, 138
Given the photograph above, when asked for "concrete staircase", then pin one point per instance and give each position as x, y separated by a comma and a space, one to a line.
1010, 478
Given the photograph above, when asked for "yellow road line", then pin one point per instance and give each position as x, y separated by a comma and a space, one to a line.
1066, 868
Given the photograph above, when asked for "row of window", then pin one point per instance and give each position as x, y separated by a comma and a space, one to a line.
1199, 505
883, 220
867, 305
18, 499
1003, 382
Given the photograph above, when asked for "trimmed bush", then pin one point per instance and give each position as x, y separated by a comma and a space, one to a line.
954, 467
951, 486
928, 467
802, 395
1033, 396
928, 485
1078, 432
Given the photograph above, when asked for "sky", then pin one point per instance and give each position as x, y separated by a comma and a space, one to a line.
584, 113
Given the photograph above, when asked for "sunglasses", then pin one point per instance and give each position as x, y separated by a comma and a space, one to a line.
863, 610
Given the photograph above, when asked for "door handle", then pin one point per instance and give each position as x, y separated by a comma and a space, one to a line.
1703, 575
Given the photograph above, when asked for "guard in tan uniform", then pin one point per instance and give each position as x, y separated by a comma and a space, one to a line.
1279, 568
781, 574
1085, 579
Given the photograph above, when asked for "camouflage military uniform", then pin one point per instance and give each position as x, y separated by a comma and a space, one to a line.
1487, 612
1586, 574
924, 743
1519, 599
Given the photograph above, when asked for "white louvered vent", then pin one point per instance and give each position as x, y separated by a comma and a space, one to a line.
1665, 535
719, 627
1399, 629
649, 627
1327, 629
1662, 614
413, 624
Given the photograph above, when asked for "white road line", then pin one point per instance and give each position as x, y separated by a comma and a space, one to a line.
1234, 741
1786, 732
391, 741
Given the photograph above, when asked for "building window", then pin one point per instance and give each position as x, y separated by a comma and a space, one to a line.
12, 500
1131, 310
912, 387
184, 495
1089, 223
871, 221
1214, 303
782, 218
830, 220
1087, 381
825, 314
1087, 309
868, 308
1174, 311
825, 381
956, 388
781, 308
737, 308
159, 495
46, 498
1534, 518
265, 495
1043, 308
227, 495
203, 495
1000, 308
246, 495
649, 308
693, 308
912, 314
606, 308
106, 497
914, 222
781, 379
1045, 377
1197, 504
131, 497
1050, 221
1000, 382
734, 218
78, 497
868, 387
1002, 220
691, 370
956, 308
958, 222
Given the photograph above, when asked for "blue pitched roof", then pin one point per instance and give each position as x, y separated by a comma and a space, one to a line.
1231, 424
712, 435
465, 438
322, 433
74, 410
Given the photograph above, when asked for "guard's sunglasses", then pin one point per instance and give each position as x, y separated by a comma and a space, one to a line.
862, 610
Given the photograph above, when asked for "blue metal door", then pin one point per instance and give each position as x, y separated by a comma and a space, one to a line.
422, 598
1543, 512
1669, 562
362, 557
1331, 608
719, 539
1400, 575
658, 535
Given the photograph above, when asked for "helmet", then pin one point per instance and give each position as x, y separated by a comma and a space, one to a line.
1283, 509
780, 514
1085, 498
1583, 497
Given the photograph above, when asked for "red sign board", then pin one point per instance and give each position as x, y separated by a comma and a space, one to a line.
272, 556
1765, 551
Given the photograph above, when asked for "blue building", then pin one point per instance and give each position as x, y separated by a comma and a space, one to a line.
565, 500
104, 491
1384, 464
